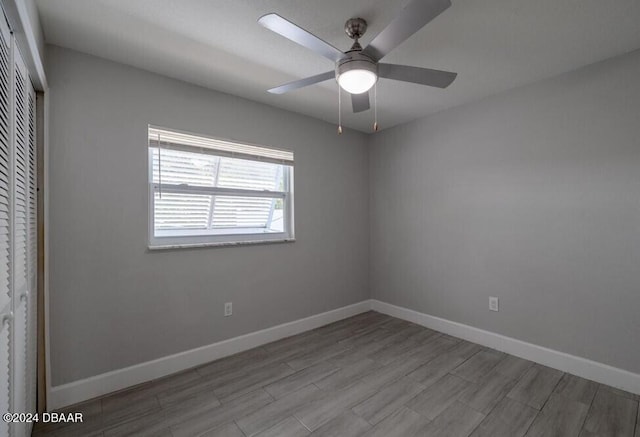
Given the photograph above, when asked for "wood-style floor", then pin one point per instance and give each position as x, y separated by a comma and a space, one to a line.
369, 375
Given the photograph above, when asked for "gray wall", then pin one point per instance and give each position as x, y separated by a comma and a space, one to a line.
532, 196
113, 303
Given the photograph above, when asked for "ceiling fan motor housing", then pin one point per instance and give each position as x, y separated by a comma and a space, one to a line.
356, 61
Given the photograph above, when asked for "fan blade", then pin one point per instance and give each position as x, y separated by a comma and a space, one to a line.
300, 36
360, 102
411, 19
422, 76
303, 82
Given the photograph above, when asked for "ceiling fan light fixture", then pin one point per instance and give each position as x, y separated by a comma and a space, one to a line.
356, 74
357, 81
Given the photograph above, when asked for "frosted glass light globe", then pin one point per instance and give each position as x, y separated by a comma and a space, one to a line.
357, 81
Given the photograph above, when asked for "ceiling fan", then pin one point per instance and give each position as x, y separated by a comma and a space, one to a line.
357, 70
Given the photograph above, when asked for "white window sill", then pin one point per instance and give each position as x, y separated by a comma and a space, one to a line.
218, 244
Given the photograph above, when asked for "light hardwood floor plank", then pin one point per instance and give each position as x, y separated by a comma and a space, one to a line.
348, 374
345, 425
300, 379
508, 419
457, 420
610, 415
559, 417
440, 396
513, 367
289, 427
271, 414
194, 425
479, 365
226, 430
535, 387
404, 422
484, 396
577, 389
387, 400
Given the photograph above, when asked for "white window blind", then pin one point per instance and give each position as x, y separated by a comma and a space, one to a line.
210, 191
202, 144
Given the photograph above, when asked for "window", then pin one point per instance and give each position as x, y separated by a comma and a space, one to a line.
205, 191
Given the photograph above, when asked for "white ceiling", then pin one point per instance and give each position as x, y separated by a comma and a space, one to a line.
494, 45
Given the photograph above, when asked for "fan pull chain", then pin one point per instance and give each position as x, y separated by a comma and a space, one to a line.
375, 107
339, 110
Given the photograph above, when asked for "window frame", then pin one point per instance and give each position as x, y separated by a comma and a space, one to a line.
192, 238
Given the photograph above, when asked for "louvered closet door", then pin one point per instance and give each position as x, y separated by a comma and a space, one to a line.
18, 237
6, 186
32, 254
20, 291
23, 347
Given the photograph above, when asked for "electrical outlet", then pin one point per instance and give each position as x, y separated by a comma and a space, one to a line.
493, 303
228, 309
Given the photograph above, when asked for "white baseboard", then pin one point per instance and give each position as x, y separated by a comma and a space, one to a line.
82, 390
572, 364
